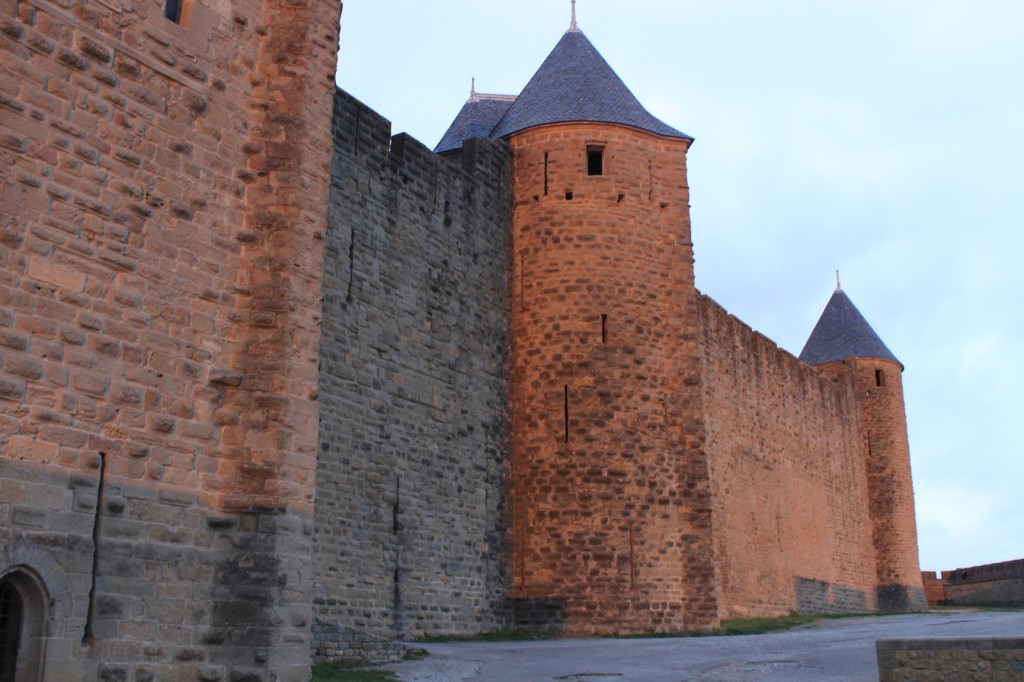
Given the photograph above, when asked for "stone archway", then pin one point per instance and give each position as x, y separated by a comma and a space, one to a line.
22, 632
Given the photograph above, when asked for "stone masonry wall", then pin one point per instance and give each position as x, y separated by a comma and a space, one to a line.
159, 305
611, 509
883, 419
409, 519
792, 531
983, 659
1000, 584
879, 389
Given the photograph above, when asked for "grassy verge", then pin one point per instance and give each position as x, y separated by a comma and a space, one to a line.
732, 626
329, 672
510, 635
758, 626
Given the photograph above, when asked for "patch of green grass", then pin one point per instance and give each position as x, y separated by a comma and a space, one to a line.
335, 672
728, 626
758, 626
734, 626
945, 608
508, 635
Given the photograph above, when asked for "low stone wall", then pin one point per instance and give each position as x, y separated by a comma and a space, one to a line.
989, 659
999, 584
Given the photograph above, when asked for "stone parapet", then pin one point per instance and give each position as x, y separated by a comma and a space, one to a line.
987, 659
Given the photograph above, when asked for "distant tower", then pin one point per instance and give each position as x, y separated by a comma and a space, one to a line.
610, 493
844, 344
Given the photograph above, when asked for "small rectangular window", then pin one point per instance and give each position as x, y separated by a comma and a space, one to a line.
879, 378
172, 10
595, 160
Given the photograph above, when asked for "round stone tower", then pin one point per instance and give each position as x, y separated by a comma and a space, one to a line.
844, 344
610, 496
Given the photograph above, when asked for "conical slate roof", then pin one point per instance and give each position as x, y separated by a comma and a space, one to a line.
574, 83
842, 331
477, 119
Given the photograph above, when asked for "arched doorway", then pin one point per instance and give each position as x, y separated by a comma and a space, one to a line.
11, 618
22, 619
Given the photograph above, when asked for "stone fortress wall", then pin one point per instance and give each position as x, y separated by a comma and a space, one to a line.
254, 381
784, 441
1000, 584
610, 494
161, 197
410, 528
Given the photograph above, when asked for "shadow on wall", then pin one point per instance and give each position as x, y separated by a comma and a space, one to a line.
817, 596
539, 614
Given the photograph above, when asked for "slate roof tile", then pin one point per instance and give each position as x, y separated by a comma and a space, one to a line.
842, 331
574, 83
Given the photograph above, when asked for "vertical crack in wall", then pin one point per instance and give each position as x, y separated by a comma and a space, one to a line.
351, 263
87, 632
396, 586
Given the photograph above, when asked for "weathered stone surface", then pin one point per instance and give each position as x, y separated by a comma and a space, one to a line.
995, 659
272, 377
409, 523
129, 316
999, 584
612, 511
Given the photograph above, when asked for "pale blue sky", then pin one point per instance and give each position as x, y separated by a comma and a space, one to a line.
882, 138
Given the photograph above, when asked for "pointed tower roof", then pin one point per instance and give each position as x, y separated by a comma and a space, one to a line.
478, 117
842, 331
574, 83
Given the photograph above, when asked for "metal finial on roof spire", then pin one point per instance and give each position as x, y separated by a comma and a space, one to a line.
838, 288
472, 89
573, 28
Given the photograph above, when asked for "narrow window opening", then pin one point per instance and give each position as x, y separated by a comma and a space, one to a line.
595, 160
604, 328
568, 196
632, 558
11, 616
879, 378
172, 10
351, 263
545, 173
395, 507
522, 281
566, 413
